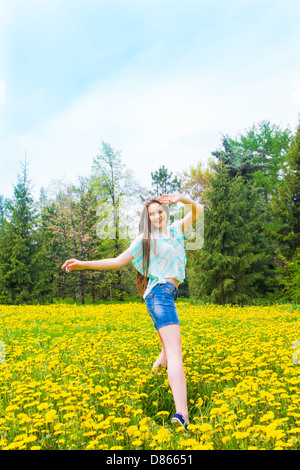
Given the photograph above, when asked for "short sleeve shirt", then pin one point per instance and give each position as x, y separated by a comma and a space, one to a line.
167, 256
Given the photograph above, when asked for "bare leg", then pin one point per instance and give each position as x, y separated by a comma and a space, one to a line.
161, 361
171, 340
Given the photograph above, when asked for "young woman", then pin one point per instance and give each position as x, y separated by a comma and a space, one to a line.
158, 255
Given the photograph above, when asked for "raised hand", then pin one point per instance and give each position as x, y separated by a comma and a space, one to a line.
170, 198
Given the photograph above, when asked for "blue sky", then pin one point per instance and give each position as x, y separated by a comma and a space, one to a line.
161, 81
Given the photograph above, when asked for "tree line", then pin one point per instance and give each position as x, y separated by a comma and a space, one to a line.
250, 191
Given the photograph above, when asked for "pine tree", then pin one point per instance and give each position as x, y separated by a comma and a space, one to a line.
286, 205
238, 160
231, 263
293, 185
3, 207
18, 245
286, 222
162, 182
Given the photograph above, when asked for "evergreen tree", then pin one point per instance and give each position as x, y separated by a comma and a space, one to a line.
162, 182
286, 222
19, 264
48, 250
259, 157
232, 262
4, 294
3, 208
286, 204
238, 160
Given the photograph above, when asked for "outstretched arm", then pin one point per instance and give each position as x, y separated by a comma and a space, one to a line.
196, 209
109, 263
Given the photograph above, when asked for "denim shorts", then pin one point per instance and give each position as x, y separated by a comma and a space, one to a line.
160, 303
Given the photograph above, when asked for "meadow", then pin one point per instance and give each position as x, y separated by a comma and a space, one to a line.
79, 377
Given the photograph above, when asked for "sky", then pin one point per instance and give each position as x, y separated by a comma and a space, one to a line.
159, 80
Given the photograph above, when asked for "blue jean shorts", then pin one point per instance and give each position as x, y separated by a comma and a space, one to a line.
160, 303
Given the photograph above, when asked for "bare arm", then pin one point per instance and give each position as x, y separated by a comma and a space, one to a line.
196, 209
109, 263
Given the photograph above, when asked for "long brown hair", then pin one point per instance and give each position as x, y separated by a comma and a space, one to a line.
145, 229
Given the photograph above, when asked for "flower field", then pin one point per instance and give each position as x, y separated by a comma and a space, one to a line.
79, 377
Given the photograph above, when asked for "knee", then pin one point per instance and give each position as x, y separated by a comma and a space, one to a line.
172, 341
174, 351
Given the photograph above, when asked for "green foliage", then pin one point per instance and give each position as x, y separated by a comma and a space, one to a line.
252, 232
291, 277
285, 206
234, 260
265, 145
115, 192
20, 263
162, 182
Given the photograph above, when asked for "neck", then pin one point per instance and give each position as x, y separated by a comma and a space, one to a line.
162, 230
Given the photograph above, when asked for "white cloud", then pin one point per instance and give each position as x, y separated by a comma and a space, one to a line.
175, 120
144, 119
170, 104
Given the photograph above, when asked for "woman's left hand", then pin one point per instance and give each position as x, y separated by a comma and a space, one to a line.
170, 198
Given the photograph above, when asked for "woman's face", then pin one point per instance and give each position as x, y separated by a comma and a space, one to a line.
158, 216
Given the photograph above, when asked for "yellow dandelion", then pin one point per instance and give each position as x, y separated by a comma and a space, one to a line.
11, 408
294, 431
137, 442
43, 406
50, 416
163, 413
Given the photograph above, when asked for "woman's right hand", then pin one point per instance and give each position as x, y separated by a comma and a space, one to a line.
170, 198
73, 265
